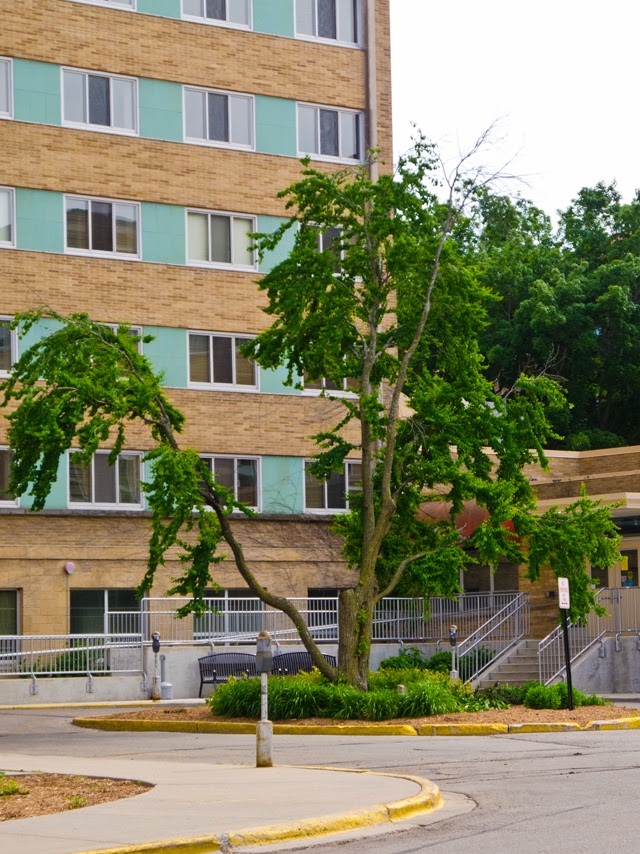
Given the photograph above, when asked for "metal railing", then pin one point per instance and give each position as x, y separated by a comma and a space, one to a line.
240, 619
623, 615
70, 655
499, 633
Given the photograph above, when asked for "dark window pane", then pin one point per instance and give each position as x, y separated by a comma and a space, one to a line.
223, 471
8, 613
216, 9
245, 368
218, 117
86, 612
199, 359
99, 108
123, 600
79, 480
5, 347
329, 133
336, 491
101, 227
222, 360
126, 228
313, 490
327, 19
104, 477
220, 239
129, 479
248, 482
5, 473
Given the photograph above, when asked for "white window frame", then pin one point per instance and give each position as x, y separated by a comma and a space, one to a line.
217, 22
221, 265
13, 502
9, 63
111, 4
210, 458
137, 330
101, 253
96, 505
10, 244
102, 128
13, 345
326, 509
337, 41
216, 143
345, 391
330, 158
234, 386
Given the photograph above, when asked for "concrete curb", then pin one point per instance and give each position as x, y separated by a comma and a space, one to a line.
426, 800
344, 729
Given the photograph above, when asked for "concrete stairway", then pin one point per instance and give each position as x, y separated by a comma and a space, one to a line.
518, 666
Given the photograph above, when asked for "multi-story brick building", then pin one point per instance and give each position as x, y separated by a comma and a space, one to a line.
142, 141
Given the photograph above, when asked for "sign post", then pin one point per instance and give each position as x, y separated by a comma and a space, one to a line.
565, 602
264, 727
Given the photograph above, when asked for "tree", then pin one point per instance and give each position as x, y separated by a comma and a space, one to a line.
389, 299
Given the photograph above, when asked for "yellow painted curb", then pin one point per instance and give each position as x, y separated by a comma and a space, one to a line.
344, 729
621, 723
197, 845
463, 729
115, 704
542, 727
427, 799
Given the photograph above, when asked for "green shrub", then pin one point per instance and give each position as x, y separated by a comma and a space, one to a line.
542, 697
382, 705
409, 658
237, 698
440, 662
428, 698
512, 695
390, 679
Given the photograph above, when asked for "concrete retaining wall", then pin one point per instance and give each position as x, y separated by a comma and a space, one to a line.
617, 672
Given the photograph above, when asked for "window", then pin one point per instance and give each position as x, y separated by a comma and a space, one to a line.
9, 610
331, 495
349, 385
326, 132
102, 227
220, 118
7, 498
336, 20
99, 101
8, 346
239, 475
236, 13
97, 612
6, 101
135, 332
7, 217
217, 360
99, 483
215, 238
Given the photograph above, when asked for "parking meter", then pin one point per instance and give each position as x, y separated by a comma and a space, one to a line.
453, 635
156, 691
264, 655
155, 642
453, 640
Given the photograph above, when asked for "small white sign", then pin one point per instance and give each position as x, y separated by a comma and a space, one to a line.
563, 593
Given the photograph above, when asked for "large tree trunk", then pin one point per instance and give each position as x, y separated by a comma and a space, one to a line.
355, 622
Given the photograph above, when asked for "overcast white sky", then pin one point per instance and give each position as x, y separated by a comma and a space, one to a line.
562, 75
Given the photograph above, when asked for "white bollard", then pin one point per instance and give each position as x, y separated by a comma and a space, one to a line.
264, 729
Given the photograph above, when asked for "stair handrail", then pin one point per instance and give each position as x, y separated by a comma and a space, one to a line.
517, 609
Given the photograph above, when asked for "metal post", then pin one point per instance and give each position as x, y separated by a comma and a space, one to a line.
567, 656
264, 727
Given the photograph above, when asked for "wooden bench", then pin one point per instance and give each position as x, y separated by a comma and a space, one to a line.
290, 663
219, 666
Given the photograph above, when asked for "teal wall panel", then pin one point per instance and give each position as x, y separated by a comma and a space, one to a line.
37, 92
273, 382
160, 109
267, 225
282, 485
57, 498
168, 354
37, 332
39, 216
274, 17
163, 233
164, 8
276, 126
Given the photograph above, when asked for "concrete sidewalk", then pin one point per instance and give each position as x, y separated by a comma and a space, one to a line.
200, 808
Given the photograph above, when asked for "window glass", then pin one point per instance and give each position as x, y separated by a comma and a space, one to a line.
99, 101
218, 117
101, 226
86, 612
349, 136
79, 480
197, 237
242, 251
8, 613
6, 338
101, 483
347, 20
126, 228
247, 471
245, 368
231, 11
314, 490
307, 134
238, 12
220, 239
305, 17
241, 120
104, 489
128, 479
5, 87
6, 216
216, 9
336, 490
329, 144
222, 359
331, 494
124, 103
327, 19
77, 223
199, 359
74, 97
5, 475
224, 472
96, 225
195, 113
329, 132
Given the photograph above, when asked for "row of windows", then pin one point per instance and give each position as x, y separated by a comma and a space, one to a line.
99, 484
330, 20
110, 227
214, 361
108, 102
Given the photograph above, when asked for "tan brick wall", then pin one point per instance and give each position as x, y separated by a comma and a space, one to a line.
287, 556
117, 42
